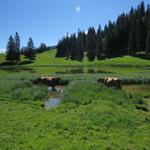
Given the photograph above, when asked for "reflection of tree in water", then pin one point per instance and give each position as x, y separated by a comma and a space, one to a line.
17, 69
83, 71
80, 70
102, 71
91, 71
71, 71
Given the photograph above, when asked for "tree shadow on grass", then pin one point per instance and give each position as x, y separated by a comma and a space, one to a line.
142, 56
7, 64
25, 62
12, 63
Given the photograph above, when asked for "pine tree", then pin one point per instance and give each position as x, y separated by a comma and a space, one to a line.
122, 33
73, 46
132, 43
111, 41
10, 53
80, 46
99, 47
91, 44
141, 10
17, 47
60, 49
148, 43
140, 35
30, 52
42, 48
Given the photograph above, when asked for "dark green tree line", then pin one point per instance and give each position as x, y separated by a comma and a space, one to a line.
129, 34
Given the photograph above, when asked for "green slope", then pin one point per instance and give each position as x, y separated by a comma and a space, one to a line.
48, 58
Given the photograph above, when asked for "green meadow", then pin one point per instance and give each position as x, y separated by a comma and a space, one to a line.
90, 116
48, 58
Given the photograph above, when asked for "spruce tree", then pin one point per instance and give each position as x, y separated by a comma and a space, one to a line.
60, 49
122, 33
99, 47
10, 53
132, 43
148, 43
80, 46
30, 52
73, 47
42, 48
141, 9
111, 41
140, 35
17, 47
91, 44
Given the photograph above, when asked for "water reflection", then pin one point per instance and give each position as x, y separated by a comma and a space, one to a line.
137, 88
18, 69
52, 103
54, 97
83, 71
59, 90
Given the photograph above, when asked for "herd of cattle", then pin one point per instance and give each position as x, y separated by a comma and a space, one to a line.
55, 81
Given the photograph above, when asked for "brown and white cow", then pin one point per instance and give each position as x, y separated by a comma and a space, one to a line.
111, 82
50, 81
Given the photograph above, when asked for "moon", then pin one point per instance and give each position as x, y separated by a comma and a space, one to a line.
78, 9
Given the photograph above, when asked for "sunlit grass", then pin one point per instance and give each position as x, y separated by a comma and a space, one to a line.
2, 58
48, 58
93, 117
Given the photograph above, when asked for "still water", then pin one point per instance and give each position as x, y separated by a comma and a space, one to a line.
52, 103
54, 97
137, 88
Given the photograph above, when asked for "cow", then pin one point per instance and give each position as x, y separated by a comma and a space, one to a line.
50, 81
111, 82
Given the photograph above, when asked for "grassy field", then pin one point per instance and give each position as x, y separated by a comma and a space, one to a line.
90, 117
101, 118
48, 59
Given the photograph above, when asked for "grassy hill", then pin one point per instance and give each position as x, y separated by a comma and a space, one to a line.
48, 59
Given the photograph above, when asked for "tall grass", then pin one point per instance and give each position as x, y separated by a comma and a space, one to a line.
83, 93
21, 90
91, 117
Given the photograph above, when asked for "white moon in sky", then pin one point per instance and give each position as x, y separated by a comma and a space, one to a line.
78, 9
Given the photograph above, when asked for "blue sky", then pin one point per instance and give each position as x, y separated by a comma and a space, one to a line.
48, 20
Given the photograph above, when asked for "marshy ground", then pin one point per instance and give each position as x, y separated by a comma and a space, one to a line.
89, 117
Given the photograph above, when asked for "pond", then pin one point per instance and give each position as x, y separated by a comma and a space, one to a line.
54, 97
83, 71
57, 70
52, 103
17, 69
142, 88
